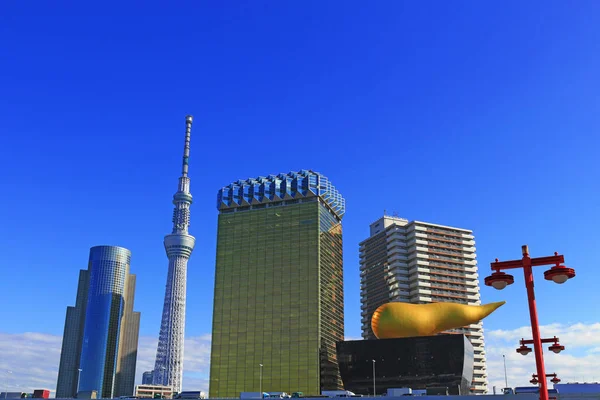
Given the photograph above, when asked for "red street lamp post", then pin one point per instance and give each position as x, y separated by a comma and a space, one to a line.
556, 347
558, 273
534, 378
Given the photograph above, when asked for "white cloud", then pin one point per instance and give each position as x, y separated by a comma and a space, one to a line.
353, 338
33, 359
578, 363
577, 335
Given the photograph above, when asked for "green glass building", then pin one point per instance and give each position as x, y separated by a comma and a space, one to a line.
278, 305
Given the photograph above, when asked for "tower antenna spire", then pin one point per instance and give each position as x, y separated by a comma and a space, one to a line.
186, 149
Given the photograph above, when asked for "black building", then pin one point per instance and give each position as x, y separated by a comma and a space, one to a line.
415, 362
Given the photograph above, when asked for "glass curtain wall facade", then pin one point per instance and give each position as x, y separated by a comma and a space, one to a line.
70, 354
413, 362
278, 296
101, 331
108, 268
128, 343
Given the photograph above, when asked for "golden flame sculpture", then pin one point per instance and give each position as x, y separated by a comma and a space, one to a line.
398, 320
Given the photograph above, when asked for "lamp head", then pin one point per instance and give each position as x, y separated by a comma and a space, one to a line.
556, 348
524, 350
499, 280
559, 274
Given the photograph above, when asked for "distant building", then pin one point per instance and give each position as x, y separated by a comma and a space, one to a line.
418, 262
577, 388
149, 391
279, 299
12, 395
100, 340
147, 378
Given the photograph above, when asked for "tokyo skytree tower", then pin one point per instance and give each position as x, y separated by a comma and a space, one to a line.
168, 367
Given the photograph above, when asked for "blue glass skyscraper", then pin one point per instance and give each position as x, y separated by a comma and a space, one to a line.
108, 267
100, 342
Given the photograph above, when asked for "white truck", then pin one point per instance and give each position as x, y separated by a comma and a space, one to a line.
396, 392
337, 393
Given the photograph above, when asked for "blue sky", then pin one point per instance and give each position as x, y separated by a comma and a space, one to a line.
482, 115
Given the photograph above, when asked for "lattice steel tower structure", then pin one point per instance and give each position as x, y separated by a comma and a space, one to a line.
179, 244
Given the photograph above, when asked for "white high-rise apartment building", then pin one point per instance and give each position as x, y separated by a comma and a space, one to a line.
418, 262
